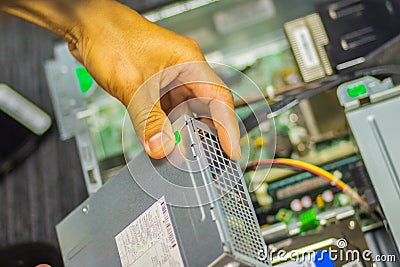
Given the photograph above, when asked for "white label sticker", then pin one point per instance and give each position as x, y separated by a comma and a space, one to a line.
150, 239
306, 47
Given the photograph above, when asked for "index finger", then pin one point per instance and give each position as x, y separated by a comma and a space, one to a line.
206, 84
226, 123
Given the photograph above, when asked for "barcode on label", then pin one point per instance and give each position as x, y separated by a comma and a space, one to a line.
168, 225
150, 239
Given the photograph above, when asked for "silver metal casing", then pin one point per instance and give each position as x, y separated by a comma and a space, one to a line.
373, 117
208, 204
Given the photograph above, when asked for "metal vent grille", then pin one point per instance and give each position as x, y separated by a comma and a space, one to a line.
243, 227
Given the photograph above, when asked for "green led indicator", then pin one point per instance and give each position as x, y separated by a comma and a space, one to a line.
85, 80
177, 137
357, 90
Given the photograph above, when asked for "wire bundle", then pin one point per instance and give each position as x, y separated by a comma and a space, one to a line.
263, 114
312, 169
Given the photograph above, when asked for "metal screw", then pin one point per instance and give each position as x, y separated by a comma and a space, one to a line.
301, 147
293, 117
85, 210
352, 225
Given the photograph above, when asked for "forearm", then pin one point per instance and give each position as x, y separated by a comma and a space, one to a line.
122, 50
63, 17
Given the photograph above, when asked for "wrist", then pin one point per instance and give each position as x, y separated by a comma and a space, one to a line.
65, 18
90, 17
97, 15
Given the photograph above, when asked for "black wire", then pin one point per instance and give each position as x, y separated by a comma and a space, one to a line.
313, 92
263, 114
379, 70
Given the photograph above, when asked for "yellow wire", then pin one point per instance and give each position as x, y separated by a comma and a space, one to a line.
317, 169
337, 182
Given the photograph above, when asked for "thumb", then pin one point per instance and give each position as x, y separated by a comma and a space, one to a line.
152, 126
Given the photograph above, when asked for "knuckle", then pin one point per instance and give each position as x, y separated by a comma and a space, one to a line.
139, 119
195, 44
148, 121
224, 93
194, 47
154, 123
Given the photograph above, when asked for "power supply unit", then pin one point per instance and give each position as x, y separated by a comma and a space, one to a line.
189, 209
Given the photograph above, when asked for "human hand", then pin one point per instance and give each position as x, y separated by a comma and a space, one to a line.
122, 50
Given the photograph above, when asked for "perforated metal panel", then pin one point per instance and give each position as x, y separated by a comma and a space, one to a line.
243, 227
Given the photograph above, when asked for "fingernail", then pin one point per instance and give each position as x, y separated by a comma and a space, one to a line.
159, 141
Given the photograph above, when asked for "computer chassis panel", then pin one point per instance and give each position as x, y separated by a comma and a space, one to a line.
372, 109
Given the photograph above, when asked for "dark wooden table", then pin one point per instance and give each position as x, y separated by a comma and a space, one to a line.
49, 184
